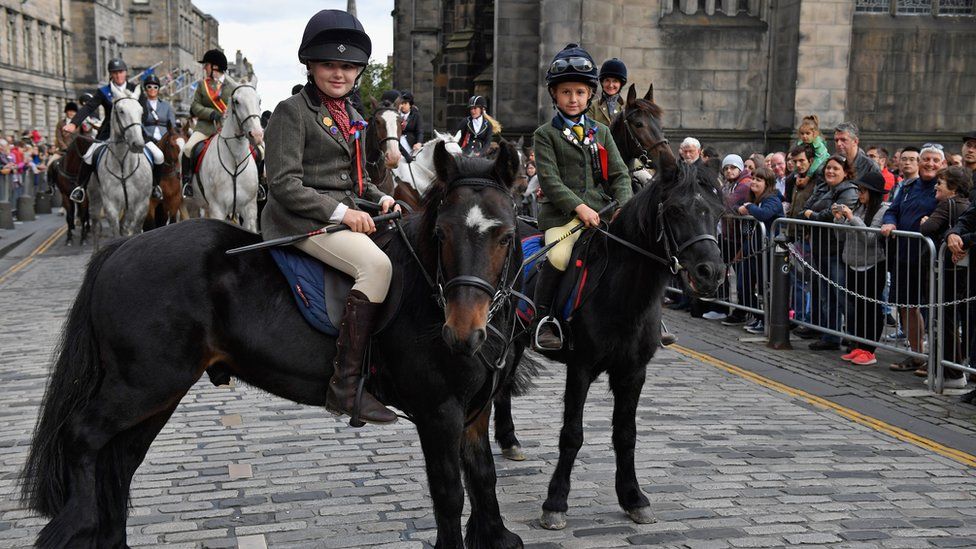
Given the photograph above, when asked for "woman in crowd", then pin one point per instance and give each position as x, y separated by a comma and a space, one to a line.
864, 258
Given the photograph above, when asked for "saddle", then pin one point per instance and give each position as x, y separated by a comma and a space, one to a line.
97, 159
320, 291
586, 268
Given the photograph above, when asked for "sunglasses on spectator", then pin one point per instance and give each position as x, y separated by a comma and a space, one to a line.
581, 64
152, 87
932, 146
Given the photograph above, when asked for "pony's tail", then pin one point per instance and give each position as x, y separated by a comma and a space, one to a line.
76, 376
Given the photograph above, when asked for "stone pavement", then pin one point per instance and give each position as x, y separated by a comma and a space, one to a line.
725, 462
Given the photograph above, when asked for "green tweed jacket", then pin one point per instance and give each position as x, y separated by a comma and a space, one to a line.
202, 106
310, 169
566, 173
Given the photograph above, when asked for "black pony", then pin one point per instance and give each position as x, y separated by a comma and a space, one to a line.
120, 372
669, 226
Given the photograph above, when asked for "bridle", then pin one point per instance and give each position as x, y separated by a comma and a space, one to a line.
115, 118
237, 118
643, 153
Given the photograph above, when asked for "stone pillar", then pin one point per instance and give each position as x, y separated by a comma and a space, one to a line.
823, 60
559, 24
517, 78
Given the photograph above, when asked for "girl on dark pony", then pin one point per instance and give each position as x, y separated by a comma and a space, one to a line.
315, 168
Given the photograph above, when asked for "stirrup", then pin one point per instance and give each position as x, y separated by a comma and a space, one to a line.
77, 195
157, 192
187, 190
544, 321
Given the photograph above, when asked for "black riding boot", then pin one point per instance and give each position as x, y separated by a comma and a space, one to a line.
157, 172
357, 323
187, 171
546, 336
79, 193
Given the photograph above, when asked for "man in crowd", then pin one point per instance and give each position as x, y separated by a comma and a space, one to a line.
969, 157
908, 168
777, 163
690, 151
880, 157
848, 144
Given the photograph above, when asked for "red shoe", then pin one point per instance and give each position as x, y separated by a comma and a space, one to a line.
865, 359
849, 357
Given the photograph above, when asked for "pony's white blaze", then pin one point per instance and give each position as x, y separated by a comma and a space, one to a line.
477, 220
391, 122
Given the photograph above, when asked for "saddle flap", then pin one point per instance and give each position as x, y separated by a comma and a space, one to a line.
196, 155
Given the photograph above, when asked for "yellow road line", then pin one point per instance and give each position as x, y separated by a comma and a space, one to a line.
857, 417
43, 247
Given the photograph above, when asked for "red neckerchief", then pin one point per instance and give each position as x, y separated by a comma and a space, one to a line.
337, 108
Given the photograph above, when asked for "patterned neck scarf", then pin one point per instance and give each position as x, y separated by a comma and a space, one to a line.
337, 108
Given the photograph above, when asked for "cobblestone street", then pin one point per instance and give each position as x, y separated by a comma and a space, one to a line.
725, 462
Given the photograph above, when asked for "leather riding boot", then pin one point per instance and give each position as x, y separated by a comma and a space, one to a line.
545, 290
157, 192
187, 171
357, 323
79, 193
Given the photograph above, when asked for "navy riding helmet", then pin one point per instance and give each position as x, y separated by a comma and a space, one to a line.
335, 35
614, 68
572, 64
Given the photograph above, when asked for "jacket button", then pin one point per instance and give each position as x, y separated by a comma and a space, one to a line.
343, 177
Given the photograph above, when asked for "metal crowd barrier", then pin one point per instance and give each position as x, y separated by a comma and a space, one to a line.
6, 208
850, 301
956, 317
744, 242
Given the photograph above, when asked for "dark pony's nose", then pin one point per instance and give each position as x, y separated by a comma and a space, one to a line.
704, 271
468, 346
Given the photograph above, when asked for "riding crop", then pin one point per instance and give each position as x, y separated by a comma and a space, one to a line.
579, 226
295, 238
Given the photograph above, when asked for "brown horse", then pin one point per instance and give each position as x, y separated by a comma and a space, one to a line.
167, 210
63, 174
383, 145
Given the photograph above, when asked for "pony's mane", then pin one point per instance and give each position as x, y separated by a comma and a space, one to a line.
687, 184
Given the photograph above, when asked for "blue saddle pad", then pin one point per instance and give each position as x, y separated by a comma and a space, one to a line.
573, 288
306, 278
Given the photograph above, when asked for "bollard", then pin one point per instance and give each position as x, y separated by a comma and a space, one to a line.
778, 316
6, 216
25, 208
42, 203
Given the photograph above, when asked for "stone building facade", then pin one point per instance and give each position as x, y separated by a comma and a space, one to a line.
737, 74
35, 44
171, 36
54, 50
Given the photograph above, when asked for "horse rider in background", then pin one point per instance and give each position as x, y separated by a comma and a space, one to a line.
118, 86
476, 130
210, 101
412, 125
93, 123
157, 118
613, 77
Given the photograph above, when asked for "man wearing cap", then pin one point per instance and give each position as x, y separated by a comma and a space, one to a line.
210, 101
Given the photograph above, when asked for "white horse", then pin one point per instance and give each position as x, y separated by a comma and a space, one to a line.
228, 173
120, 196
420, 173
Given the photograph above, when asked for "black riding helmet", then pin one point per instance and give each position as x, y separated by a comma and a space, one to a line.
390, 96
478, 101
406, 97
70, 106
335, 35
215, 58
85, 98
572, 64
150, 79
116, 64
614, 68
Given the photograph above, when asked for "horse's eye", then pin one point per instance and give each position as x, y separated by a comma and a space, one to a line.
505, 240
438, 233
638, 124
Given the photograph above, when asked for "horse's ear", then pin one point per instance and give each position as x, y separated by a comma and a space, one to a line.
631, 95
520, 143
136, 92
506, 164
372, 104
444, 163
650, 92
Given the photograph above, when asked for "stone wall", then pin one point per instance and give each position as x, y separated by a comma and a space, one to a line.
516, 64
416, 32
913, 77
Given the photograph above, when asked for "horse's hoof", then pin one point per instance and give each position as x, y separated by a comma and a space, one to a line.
641, 515
553, 520
513, 453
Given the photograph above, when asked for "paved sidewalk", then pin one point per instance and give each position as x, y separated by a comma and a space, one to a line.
725, 462
899, 398
26, 236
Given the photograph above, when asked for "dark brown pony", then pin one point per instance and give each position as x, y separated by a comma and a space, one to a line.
63, 174
383, 145
167, 210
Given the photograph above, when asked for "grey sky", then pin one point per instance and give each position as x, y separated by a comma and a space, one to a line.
268, 34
